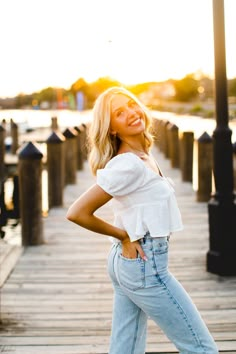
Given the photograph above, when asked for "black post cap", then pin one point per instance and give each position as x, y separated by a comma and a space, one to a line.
78, 129
234, 147
205, 138
30, 152
70, 133
173, 127
55, 138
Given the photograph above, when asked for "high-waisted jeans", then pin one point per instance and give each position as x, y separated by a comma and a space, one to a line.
145, 289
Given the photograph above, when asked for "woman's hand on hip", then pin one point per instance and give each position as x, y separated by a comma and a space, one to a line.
132, 249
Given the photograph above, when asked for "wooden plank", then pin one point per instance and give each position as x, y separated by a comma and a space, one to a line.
9, 255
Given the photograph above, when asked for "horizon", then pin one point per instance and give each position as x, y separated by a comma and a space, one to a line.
123, 84
48, 45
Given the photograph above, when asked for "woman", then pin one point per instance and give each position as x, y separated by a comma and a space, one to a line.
146, 213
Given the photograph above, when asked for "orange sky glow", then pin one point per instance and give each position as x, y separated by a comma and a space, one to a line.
53, 43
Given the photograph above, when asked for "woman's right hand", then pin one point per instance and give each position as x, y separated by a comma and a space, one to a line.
132, 249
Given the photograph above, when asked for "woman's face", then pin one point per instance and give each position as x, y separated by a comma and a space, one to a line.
127, 118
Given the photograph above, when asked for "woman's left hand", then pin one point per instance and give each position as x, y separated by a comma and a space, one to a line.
132, 249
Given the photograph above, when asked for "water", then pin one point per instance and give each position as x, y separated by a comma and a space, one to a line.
195, 124
31, 119
28, 118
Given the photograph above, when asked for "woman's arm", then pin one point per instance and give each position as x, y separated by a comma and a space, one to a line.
82, 212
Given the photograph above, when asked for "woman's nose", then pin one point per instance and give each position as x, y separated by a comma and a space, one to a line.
132, 110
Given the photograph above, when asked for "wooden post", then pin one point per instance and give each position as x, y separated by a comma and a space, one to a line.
160, 134
2, 153
80, 157
155, 131
30, 186
173, 143
152, 128
4, 126
205, 165
70, 156
165, 143
84, 131
14, 135
54, 123
234, 164
55, 168
4, 123
3, 208
15, 213
186, 156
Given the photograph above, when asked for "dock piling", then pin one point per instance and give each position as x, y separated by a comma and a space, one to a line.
70, 155
30, 187
205, 162
55, 168
186, 155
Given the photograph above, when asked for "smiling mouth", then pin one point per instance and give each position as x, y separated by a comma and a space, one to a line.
135, 122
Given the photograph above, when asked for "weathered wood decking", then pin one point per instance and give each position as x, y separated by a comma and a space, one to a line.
58, 299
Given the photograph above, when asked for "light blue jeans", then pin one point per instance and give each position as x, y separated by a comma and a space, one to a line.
145, 289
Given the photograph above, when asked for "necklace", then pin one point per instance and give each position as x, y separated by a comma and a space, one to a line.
142, 154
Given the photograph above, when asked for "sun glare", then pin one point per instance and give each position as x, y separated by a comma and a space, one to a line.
143, 40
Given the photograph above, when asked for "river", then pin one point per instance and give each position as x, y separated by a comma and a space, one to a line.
33, 119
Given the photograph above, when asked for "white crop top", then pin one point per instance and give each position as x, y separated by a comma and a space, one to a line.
142, 200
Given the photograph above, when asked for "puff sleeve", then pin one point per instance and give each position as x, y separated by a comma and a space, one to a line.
122, 175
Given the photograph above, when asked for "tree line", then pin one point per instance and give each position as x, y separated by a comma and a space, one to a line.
187, 89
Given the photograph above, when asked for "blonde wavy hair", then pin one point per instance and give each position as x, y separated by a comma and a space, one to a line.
103, 145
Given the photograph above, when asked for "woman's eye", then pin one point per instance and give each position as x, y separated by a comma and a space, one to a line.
133, 104
119, 113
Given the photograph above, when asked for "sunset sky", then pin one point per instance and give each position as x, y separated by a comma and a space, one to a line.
55, 42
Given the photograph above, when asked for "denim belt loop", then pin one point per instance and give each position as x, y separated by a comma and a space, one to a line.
145, 237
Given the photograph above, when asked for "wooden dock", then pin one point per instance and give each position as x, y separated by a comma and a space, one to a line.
58, 299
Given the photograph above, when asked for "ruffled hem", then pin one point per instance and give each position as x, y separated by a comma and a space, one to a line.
160, 219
